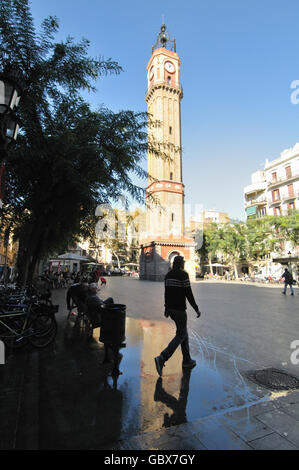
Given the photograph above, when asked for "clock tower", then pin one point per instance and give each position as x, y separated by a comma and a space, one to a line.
164, 236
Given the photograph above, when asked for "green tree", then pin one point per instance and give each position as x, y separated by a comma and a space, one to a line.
261, 239
67, 159
233, 244
211, 243
287, 226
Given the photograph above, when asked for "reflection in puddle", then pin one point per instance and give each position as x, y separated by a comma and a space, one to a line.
149, 403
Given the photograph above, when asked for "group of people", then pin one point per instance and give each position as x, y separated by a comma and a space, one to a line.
85, 297
63, 279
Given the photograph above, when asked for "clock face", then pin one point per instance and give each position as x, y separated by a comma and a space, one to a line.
170, 67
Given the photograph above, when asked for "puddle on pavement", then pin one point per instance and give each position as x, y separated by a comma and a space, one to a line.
150, 403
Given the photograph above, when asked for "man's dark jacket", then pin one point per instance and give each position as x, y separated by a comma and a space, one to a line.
177, 289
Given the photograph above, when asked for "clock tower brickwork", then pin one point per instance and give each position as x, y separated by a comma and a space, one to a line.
164, 236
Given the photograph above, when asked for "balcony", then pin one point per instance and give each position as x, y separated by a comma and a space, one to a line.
255, 188
256, 202
282, 180
273, 202
175, 86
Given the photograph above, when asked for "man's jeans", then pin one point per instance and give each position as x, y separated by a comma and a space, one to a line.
285, 287
181, 337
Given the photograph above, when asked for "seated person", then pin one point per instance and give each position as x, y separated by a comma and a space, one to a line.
94, 305
78, 294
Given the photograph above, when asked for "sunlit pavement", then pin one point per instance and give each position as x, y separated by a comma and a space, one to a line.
63, 397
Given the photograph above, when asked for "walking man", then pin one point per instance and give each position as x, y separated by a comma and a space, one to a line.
177, 289
288, 280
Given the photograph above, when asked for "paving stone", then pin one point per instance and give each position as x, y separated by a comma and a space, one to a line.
289, 399
215, 436
247, 428
272, 442
283, 424
163, 441
292, 409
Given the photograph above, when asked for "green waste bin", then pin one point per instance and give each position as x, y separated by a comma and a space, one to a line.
113, 324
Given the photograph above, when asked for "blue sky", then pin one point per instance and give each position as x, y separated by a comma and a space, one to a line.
238, 61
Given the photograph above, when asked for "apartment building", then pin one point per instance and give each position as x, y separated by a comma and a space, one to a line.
282, 179
255, 195
274, 190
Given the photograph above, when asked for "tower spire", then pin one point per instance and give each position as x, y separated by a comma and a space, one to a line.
163, 39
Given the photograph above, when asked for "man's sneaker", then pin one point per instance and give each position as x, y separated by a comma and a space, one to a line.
283, 293
159, 364
189, 364
292, 293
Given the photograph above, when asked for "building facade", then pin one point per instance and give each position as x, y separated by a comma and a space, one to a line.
282, 179
164, 236
274, 190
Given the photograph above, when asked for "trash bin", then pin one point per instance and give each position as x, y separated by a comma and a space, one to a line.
113, 324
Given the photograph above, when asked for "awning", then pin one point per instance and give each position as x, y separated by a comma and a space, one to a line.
251, 210
287, 259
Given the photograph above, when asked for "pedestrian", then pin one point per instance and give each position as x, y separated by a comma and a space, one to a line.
177, 289
95, 304
103, 280
77, 294
288, 281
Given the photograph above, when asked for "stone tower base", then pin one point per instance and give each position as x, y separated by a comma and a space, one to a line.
156, 258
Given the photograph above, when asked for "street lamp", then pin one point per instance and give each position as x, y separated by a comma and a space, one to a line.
10, 94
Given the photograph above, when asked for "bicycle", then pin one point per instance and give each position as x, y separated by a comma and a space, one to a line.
35, 323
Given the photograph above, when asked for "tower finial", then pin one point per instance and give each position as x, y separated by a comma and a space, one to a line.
163, 39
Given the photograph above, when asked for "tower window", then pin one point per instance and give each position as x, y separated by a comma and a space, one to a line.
169, 80
172, 217
170, 130
171, 176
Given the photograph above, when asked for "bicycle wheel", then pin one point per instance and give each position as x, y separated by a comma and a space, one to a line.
44, 331
16, 339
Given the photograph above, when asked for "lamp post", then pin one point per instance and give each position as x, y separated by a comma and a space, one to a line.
290, 266
10, 94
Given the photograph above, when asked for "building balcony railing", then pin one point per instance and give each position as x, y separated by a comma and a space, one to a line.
256, 202
272, 202
172, 85
289, 197
283, 179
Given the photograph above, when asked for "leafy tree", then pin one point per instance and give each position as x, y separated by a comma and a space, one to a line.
287, 226
261, 238
67, 158
211, 243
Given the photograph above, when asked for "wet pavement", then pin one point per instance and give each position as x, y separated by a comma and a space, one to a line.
64, 397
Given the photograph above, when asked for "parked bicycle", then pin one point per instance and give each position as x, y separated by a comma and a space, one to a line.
26, 318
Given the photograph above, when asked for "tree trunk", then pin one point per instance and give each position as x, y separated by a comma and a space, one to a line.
23, 261
118, 263
210, 264
235, 270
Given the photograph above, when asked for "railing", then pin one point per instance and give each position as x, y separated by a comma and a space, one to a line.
282, 179
252, 202
176, 85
